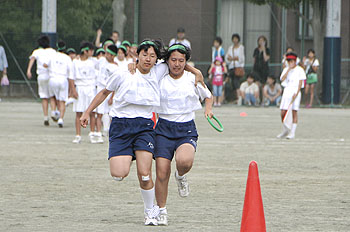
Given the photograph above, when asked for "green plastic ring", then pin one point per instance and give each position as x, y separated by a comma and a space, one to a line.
221, 129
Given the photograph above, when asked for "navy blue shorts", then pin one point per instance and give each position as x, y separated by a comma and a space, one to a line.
171, 135
127, 135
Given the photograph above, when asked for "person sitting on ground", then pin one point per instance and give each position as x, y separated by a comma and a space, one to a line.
272, 92
250, 91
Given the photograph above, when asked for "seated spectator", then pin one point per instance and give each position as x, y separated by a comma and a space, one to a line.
272, 92
250, 91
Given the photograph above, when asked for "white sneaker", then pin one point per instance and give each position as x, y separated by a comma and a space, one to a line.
282, 135
55, 115
92, 137
151, 216
291, 136
182, 186
98, 137
77, 139
60, 123
163, 218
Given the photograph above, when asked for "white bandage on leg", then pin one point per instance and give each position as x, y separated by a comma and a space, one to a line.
117, 178
145, 178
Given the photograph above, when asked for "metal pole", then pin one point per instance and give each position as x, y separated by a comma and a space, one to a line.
136, 20
303, 32
49, 18
284, 31
218, 17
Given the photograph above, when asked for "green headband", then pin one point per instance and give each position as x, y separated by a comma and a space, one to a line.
176, 47
108, 42
111, 52
148, 42
123, 47
134, 45
100, 50
85, 49
125, 42
71, 50
60, 49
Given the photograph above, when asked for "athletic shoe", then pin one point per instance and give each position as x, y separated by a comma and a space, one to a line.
282, 135
60, 123
92, 137
77, 139
291, 136
98, 137
55, 115
46, 123
151, 216
163, 218
182, 186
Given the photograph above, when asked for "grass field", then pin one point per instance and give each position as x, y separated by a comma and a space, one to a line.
50, 184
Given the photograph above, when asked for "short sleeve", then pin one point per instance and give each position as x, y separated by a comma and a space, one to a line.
302, 75
72, 71
283, 72
203, 92
316, 63
34, 54
114, 81
161, 70
256, 52
266, 87
222, 53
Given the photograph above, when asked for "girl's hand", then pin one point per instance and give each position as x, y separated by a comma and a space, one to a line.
84, 120
208, 113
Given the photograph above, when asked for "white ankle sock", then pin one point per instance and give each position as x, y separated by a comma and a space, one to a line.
148, 198
46, 118
163, 210
294, 127
178, 176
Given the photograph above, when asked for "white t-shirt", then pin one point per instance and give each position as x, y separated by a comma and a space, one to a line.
136, 95
84, 73
291, 83
106, 70
60, 65
308, 64
249, 89
183, 42
123, 65
239, 52
179, 98
42, 56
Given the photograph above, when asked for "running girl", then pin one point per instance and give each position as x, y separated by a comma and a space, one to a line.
176, 132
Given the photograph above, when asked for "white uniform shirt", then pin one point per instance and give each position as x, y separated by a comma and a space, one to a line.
60, 65
239, 52
179, 98
123, 65
84, 72
137, 94
42, 56
291, 83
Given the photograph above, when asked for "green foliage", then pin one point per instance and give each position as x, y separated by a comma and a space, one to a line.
77, 20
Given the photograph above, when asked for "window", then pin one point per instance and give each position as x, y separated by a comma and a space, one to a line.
308, 14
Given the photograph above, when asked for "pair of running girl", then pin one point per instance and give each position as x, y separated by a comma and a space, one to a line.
171, 91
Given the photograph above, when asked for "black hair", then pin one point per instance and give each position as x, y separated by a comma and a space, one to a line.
252, 75
115, 32
265, 39
273, 78
122, 48
113, 48
85, 44
44, 41
218, 39
61, 46
99, 50
311, 50
71, 51
156, 44
109, 39
236, 36
186, 51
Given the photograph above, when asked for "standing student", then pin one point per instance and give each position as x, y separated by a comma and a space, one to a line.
311, 65
235, 59
217, 71
82, 84
60, 67
107, 67
41, 56
176, 133
292, 79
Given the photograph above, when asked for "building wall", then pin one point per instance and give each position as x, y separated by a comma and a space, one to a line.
161, 18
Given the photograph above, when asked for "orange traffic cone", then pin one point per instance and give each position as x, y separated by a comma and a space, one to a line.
154, 119
253, 219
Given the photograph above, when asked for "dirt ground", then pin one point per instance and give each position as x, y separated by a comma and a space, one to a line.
49, 184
